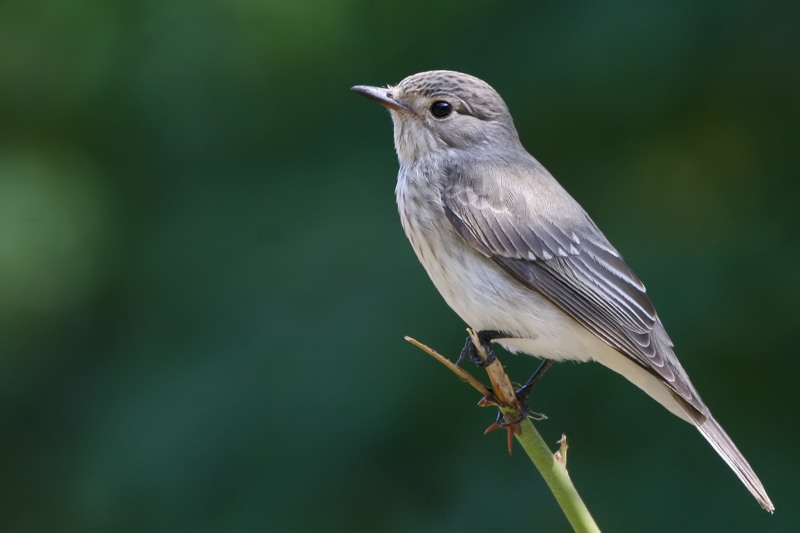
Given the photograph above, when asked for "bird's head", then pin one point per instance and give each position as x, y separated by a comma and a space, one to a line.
442, 110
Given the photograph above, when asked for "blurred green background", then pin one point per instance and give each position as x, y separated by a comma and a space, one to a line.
204, 286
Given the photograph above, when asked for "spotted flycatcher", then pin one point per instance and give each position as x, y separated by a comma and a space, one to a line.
517, 258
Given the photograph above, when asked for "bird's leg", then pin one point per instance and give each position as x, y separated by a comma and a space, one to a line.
523, 393
469, 349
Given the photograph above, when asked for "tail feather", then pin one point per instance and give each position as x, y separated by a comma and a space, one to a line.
722, 443
695, 412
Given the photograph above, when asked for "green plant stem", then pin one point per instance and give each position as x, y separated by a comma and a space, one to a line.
553, 471
557, 478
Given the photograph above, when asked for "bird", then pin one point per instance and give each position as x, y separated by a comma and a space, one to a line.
517, 258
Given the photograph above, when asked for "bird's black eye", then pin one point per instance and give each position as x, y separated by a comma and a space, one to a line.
441, 109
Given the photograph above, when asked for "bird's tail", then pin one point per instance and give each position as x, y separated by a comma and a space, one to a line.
725, 447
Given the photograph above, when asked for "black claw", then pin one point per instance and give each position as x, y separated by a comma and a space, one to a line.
502, 422
485, 337
480, 362
468, 351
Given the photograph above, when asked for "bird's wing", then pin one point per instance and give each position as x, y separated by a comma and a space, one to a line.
531, 227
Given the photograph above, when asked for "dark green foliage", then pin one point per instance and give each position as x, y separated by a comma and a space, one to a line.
204, 286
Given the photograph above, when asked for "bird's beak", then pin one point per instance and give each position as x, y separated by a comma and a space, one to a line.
382, 95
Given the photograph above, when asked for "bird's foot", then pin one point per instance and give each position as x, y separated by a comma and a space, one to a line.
522, 399
470, 351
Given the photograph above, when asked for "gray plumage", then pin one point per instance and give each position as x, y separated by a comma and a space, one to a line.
510, 250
